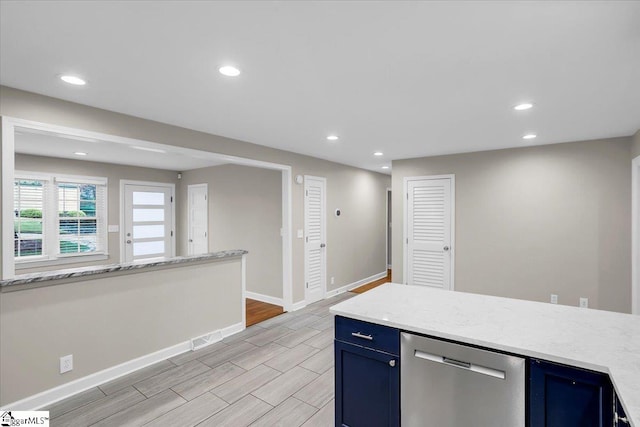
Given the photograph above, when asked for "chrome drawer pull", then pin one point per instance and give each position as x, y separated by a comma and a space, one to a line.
360, 335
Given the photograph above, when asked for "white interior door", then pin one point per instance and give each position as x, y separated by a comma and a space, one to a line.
148, 221
429, 232
198, 219
315, 251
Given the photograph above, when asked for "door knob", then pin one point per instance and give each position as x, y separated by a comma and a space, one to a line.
128, 241
190, 240
322, 245
446, 248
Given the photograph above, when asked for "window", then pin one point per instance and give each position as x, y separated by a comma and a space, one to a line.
58, 216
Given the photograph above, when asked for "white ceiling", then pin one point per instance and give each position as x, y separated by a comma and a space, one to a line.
38, 143
407, 78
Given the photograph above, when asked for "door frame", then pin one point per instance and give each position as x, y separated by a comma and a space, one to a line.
405, 223
206, 189
324, 229
171, 186
635, 236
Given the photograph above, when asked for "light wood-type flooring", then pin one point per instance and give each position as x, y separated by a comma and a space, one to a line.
277, 372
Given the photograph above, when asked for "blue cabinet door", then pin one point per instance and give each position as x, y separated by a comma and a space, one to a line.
563, 396
367, 387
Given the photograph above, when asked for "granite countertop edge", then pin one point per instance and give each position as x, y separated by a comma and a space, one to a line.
45, 276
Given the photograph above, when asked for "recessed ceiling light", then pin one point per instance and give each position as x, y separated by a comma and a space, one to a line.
73, 80
153, 150
229, 71
332, 138
80, 153
378, 153
385, 167
524, 106
529, 136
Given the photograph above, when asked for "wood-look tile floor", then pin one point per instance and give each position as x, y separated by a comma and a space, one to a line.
276, 373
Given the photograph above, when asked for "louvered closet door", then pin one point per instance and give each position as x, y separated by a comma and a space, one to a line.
429, 233
315, 240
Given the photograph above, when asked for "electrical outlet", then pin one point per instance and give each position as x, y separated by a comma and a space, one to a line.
333, 280
554, 299
584, 302
66, 363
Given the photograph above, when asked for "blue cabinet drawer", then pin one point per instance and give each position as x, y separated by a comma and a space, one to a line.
369, 335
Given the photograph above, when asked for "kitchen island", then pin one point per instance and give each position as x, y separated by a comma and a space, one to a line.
594, 340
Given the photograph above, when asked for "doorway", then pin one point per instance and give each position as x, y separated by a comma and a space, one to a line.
315, 228
197, 219
148, 214
429, 231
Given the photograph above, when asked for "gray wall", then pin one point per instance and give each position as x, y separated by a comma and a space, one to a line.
356, 240
245, 211
635, 145
158, 308
114, 173
535, 221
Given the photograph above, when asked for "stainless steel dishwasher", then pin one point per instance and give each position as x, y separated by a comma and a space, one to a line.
445, 384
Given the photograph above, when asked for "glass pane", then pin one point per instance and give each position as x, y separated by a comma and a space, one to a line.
148, 198
87, 192
69, 226
29, 247
148, 248
146, 231
69, 246
88, 226
89, 208
142, 215
75, 244
68, 200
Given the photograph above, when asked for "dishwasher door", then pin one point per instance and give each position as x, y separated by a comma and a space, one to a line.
451, 385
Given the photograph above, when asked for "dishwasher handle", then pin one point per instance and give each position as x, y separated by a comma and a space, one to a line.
455, 362
495, 373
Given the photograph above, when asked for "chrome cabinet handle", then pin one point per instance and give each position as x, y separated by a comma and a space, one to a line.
392, 363
360, 335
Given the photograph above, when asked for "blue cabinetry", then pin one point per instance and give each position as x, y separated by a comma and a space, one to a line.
367, 374
564, 396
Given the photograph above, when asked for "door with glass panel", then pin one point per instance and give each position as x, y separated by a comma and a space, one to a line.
148, 221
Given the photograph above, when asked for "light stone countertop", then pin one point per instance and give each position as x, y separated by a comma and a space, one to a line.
599, 340
45, 276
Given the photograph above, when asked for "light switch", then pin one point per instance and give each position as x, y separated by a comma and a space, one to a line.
114, 228
300, 234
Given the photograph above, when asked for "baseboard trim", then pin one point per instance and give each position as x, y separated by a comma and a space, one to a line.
298, 305
71, 388
264, 298
354, 285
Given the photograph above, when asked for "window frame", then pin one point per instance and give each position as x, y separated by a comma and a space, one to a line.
50, 221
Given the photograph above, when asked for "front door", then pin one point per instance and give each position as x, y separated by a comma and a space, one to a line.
148, 221
315, 224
